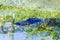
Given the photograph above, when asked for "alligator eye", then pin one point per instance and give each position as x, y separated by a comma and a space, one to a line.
50, 22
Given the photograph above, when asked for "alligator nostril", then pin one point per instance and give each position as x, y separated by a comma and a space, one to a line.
20, 23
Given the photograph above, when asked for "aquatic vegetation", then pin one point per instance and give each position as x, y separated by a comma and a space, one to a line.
32, 22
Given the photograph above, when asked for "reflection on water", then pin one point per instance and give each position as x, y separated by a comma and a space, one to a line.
22, 36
